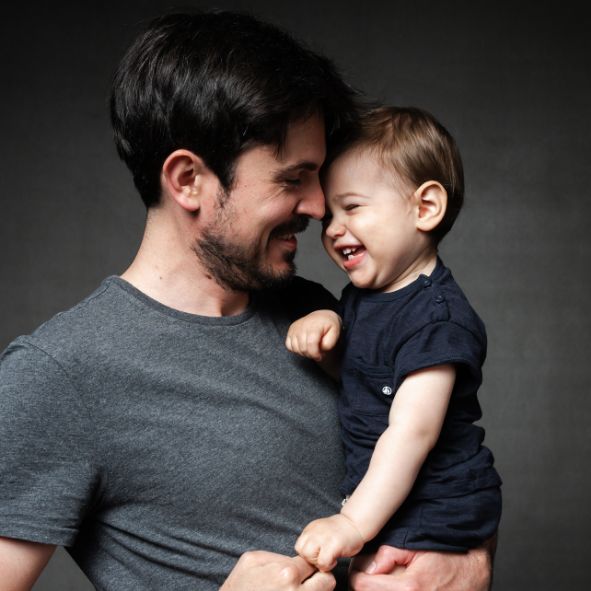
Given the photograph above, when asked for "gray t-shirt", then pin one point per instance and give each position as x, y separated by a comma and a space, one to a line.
157, 445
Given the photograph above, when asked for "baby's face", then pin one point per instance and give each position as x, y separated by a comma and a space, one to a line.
370, 226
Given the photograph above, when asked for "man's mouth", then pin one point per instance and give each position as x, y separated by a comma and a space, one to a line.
285, 237
287, 232
289, 240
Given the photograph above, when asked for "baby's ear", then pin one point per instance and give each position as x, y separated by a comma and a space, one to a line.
431, 199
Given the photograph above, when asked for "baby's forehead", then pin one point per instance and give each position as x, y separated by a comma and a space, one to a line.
363, 162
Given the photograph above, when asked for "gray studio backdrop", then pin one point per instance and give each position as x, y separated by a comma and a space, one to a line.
510, 80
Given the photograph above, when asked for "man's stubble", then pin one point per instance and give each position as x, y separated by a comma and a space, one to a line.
242, 267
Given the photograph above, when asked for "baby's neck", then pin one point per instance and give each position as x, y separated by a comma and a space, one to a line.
423, 265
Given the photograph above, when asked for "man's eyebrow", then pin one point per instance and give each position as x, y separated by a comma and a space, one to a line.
281, 173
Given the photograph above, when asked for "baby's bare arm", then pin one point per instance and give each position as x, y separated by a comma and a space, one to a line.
416, 416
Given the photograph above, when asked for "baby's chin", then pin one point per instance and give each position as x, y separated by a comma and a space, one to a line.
360, 283
372, 283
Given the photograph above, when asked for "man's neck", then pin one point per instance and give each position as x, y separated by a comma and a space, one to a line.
167, 270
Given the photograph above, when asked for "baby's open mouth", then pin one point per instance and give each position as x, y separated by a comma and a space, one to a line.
350, 251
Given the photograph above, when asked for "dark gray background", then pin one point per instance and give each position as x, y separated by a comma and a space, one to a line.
510, 81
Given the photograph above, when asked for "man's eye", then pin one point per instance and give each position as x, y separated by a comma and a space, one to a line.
293, 182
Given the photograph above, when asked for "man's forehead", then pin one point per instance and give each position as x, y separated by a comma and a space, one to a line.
305, 140
303, 149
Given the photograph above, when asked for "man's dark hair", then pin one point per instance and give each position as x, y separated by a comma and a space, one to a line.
216, 84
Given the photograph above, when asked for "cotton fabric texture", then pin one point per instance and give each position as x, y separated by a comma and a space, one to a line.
455, 503
158, 446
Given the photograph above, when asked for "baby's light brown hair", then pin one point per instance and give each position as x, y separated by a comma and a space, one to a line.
414, 146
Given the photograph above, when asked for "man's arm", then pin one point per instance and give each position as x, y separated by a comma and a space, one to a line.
395, 569
21, 563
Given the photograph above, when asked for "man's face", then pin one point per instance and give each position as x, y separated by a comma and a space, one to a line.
250, 242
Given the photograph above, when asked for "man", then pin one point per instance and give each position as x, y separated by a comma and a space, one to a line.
159, 430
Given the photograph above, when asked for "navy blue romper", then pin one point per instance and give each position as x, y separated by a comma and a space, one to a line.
455, 503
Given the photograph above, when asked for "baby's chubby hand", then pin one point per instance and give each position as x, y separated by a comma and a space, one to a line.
314, 334
325, 540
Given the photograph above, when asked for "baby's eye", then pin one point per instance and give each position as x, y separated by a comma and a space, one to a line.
351, 206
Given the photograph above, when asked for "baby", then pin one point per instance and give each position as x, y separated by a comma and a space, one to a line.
409, 346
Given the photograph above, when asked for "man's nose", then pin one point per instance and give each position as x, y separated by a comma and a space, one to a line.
312, 202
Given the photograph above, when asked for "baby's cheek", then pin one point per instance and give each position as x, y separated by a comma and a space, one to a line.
327, 243
336, 257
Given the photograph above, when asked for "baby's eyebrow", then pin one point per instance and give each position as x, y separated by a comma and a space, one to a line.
340, 196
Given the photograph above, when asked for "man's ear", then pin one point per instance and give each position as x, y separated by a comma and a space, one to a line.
186, 179
431, 199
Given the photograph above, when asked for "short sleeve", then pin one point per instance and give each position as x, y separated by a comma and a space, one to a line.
46, 474
441, 343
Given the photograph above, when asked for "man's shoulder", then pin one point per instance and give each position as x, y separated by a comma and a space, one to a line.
72, 329
298, 297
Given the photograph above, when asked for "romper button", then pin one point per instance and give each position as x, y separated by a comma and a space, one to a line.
439, 299
427, 282
387, 390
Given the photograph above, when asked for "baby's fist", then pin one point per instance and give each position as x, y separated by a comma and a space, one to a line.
315, 334
325, 540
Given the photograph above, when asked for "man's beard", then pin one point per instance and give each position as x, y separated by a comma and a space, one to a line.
243, 267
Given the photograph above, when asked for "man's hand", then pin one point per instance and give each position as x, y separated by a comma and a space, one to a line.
394, 569
315, 334
325, 540
266, 571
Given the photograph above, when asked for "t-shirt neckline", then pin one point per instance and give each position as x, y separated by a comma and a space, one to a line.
145, 299
420, 282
